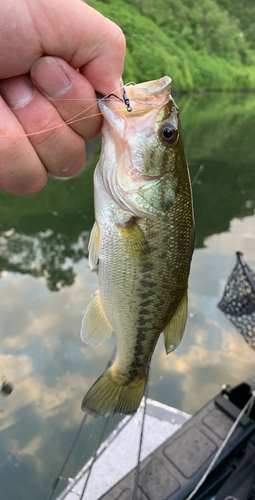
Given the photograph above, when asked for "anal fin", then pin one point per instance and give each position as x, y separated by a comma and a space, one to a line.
173, 332
95, 327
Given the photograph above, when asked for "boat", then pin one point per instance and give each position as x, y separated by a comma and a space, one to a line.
161, 453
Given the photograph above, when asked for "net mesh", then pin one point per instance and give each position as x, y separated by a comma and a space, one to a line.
238, 300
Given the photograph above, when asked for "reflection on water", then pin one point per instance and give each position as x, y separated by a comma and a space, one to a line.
46, 254
46, 285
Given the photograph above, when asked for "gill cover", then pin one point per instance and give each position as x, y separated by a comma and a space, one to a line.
133, 157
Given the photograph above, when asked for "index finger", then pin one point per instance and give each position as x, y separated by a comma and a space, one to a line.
87, 40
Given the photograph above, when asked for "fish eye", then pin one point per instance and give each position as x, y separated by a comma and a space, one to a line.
168, 133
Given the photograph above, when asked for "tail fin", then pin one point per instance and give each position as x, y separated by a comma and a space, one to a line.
109, 395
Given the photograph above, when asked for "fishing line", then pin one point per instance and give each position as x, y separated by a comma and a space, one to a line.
100, 100
61, 125
77, 435
51, 99
94, 457
124, 100
90, 445
140, 443
56, 480
101, 436
199, 170
75, 118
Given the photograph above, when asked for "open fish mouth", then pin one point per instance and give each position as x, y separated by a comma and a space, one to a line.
142, 91
143, 97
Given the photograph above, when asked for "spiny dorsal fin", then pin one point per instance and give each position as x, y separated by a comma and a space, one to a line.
173, 332
94, 246
95, 327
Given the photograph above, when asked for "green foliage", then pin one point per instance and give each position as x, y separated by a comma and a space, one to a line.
197, 42
201, 24
244, 11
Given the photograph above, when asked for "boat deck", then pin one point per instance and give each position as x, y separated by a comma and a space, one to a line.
176, 450
161, 422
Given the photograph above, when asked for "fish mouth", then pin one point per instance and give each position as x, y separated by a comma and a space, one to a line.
165, 85
142, 91
143, 98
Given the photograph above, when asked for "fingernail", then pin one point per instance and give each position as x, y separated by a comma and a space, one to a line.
49, 77
17, 91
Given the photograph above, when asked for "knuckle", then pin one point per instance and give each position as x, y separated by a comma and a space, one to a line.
35, 187
16, 183
21, 172
49, 133
67, 159
29, 188
121, 41
12, 155
11, 148
114, 36
77, 160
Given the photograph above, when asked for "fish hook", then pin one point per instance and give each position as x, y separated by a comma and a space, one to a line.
125, 99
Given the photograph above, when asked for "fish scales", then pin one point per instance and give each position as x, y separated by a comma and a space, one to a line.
143, 237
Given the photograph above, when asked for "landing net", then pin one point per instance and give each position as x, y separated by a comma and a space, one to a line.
238, 300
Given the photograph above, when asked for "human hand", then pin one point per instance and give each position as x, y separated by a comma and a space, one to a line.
43, 43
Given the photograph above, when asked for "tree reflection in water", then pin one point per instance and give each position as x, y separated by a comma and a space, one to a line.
46, 254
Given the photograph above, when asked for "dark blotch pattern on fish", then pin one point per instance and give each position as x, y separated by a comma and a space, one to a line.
146, 283
147, 266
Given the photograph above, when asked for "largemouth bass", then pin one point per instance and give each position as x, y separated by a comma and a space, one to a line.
143, 237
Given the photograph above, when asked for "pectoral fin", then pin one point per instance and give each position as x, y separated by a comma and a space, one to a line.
133, 239
95, 327
94, 246
173, 332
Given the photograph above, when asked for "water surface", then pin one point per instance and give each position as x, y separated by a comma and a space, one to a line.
46, 285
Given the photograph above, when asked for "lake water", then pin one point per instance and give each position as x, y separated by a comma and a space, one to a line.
46, 285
